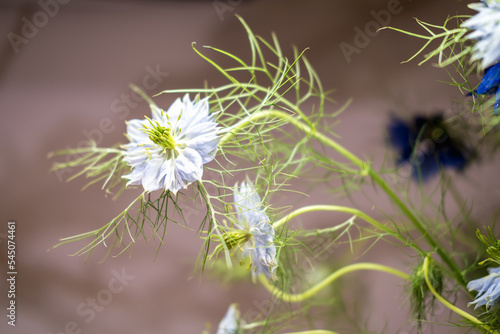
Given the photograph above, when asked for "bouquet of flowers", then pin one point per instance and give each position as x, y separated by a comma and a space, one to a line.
225, 160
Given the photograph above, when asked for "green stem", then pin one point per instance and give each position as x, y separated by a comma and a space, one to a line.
452, 307
296, 298
365, 170
441, 252
465, 236
314, 331
337, 208
455, 193
434, 36
263, 323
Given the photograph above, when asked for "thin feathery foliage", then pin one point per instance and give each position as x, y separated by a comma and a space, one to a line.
96, 164
422, 300
251, 131
491, 243
454, 53
268, 128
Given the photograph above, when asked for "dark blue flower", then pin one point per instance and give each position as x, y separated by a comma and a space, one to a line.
425, 146
491, 84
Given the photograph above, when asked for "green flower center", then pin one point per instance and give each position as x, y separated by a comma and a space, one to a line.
235, 238
160, 135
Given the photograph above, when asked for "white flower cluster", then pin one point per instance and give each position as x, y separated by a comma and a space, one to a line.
486, 31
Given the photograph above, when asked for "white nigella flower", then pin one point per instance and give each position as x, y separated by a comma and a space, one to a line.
230, 324
486, 31
252, 217
169, 150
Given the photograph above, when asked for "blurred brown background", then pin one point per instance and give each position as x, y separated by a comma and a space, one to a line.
59, 81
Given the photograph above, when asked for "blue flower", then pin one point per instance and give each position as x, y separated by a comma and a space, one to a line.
488, 289
425, 146
252, 217
486, 31
491, 84
230, 324
169, 151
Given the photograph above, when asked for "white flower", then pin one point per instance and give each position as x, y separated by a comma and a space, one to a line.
169, 150
486, 26
230, 324
252, 218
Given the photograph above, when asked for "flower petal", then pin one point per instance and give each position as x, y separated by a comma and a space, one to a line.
425, 146
194, 140
248, 204
151, 179
135, 131
264, 252
174, 111
189, 165
485, 30
157, 113
251, 215
400, 135
204, 139
452, 157
231, 322
496, 106
490, 81
488, 289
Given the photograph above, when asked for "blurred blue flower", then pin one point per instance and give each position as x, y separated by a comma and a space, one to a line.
488, 289
425, 146
252, 217
230, 324
486, 31
491, 84
169, 151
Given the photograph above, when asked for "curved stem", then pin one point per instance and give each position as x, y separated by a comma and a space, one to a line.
263, 323
314, 331
229, 132
365, 170
441, 252
337, 208
446, 303
296, 298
